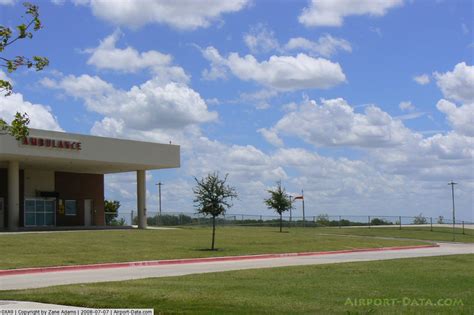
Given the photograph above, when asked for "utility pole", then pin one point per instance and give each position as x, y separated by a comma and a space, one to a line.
159, 196
291, 207
454, 211
302, 194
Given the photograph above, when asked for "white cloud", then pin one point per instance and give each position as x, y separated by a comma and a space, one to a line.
406, 106
422, 79
186, 15
450, 146
108, 56
41, 117
333, 12
458, 84
153, 104
259, 98
84, 86
334, 123
341, 185
218, 68
271, 137
325, 46
261, 40
440, 157
461, 118
284, 73
7, 2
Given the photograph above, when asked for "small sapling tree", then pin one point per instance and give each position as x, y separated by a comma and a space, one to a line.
279, 201
213, 197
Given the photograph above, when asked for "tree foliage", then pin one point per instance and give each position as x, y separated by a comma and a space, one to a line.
111, 209
213, 197
19, 126
111, 206
420, 219
279, 201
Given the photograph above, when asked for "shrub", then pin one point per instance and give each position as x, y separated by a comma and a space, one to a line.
378, 221
323, 219
420, 219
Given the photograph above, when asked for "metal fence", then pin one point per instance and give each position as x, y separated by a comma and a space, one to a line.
322, 220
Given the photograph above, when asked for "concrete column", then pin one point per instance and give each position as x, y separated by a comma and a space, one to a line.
13, 195
141, 199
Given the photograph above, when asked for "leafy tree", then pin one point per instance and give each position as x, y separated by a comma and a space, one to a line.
420, 219
279, 201
19, 126
378, 221
213, 197
111, 209
323, 219
440, 219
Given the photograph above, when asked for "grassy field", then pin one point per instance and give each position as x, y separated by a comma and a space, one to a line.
320, 289
421, 233
86, 247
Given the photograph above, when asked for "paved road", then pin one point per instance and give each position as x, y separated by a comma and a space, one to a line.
40, 280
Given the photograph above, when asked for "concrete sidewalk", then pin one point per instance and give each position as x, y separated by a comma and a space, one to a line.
46, 279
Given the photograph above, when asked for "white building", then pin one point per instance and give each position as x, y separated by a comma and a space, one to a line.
55, 179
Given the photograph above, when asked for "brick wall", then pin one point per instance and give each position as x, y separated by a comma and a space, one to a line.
79, 187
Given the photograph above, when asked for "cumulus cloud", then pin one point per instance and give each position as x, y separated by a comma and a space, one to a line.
457, 85
335, 123
333, 12
152, 104
460, 117
83, 86
129, 60
284, 73
325, 46
271, 137
185, 15
449, 146
41, 116
287, 72
218, 69
422, 79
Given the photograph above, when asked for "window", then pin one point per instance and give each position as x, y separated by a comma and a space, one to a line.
70, 207
40, 212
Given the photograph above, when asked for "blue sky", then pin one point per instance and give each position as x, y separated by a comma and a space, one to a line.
366, 105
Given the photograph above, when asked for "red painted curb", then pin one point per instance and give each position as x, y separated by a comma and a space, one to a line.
23, 271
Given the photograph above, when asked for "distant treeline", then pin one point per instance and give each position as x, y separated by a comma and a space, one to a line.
321, 220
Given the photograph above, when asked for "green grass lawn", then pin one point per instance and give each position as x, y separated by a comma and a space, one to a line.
86, 247
421, 233
319, 289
